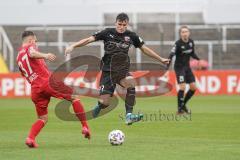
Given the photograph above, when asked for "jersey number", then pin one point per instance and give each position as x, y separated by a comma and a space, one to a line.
25, 58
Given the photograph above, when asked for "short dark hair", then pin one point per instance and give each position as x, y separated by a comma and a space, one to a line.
122, 17
27, 33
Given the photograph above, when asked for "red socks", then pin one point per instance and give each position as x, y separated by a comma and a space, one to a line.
36, 128
39, 124
80, 113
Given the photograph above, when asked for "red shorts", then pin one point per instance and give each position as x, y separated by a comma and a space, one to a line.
41, 96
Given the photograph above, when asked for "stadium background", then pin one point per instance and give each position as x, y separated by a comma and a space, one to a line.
215, 27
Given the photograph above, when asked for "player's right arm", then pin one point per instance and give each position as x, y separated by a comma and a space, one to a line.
173, 51
100, 35
80, 43
172, 54
39, 55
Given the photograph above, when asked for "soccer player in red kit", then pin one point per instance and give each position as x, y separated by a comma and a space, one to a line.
32, 65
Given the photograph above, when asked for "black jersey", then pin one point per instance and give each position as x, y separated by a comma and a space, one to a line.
116, 46
183, 51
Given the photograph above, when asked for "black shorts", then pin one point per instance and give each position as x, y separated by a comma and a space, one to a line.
109, 80
184, 75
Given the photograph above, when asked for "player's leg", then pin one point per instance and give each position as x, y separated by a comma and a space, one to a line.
80, 114
107, 88
41, 104
190, 79
190, 92
58, 89
35, 130
180, 97
180, 75
103, 102
129, 83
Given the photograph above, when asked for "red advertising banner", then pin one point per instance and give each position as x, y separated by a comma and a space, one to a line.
219, 82
216, 82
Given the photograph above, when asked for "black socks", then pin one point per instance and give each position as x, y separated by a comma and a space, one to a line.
180, 99
188, 96
130, 100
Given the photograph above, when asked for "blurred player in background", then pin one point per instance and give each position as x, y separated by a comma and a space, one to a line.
183, 50
115, 63
32, 66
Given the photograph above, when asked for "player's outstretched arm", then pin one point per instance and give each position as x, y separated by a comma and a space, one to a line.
149, 52
39, 55
195, 56
172, 54
80, 43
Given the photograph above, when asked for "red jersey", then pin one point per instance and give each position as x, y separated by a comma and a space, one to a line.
34, 70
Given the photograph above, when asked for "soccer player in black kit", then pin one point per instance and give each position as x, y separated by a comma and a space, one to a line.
115, 63
183, 50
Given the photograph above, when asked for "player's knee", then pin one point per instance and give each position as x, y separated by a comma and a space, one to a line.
182, 87
132, 85
128, 82
103, 105
105, 99
44, 118
193, 87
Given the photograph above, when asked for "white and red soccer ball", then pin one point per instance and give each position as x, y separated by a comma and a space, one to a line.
116, 137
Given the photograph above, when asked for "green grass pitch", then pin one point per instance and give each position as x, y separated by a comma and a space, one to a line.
211, 133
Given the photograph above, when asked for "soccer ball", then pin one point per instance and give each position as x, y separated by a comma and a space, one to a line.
116, 137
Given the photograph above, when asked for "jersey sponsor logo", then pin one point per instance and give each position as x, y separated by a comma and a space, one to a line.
182, 47
127, 38
188, 51
110, 45
110, 35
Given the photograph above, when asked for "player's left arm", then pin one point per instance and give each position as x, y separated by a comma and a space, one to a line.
139, 43
194, 55
149, 52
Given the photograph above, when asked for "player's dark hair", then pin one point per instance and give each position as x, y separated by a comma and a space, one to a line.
122, 17
183, 27
27, 33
